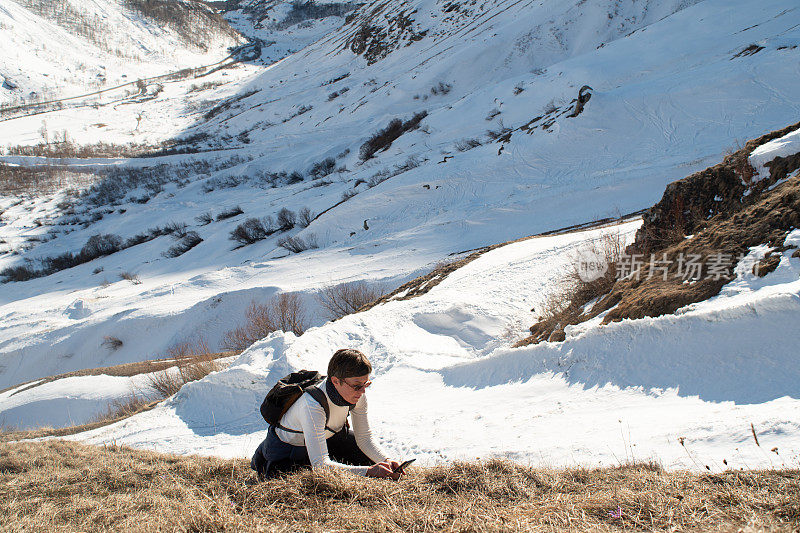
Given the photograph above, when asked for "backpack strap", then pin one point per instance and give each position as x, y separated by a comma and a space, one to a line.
316, 393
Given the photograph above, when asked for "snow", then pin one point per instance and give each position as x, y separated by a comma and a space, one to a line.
670, 95
68, 401
51, 57
784, 146
448, 385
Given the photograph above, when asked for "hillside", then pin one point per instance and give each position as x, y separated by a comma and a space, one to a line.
400, 136
71, 47
423, 198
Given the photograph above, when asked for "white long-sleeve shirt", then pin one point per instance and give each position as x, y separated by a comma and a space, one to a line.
308, 416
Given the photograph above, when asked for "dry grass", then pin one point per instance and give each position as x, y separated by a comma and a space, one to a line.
123, 370
284, 312
194, 362
118, 411
423, 284
568, 304
55, 485
42, 179
166, 382
125, 407
710, 205
129, 276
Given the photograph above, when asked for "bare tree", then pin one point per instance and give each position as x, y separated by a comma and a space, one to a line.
284, 312
346, 298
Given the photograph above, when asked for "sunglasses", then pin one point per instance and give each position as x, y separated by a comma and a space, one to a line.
359, 386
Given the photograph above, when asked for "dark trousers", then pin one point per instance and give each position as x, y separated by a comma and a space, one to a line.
274, 457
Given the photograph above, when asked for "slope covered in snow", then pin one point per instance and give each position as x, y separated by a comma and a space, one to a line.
531, 116
660, 108
680, 389
70, 47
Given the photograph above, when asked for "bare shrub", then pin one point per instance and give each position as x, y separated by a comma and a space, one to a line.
288, 313
500, 133
194, 362
183, 350
441, 88
198, 368
384, 138
294, 177
304, 217
379, 177
410, 163
189, 241
303, 109
176, 229
298, 244
252, 230
166, 382
133, 278
100, 245
229, 213
347, 298
286, 219
204, 218
96, 246
112, 343
337, 94
467, 144
123, 407
42, 179
19, 273
284, 312
322, 168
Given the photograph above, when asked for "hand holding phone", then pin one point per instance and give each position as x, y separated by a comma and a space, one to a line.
405, 464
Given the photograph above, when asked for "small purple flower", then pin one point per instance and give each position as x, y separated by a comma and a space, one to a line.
617, 513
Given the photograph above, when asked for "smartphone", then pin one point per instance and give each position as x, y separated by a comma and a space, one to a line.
405, 464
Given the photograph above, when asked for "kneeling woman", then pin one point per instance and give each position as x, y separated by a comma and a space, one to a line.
302, 437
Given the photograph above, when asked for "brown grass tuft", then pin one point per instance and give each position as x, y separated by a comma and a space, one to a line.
129, 406
194, 362
59, 485
112, 343
569, 303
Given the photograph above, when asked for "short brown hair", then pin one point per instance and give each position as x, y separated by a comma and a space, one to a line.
349, 363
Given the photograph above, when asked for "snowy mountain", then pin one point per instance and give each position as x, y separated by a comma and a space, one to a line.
71, 47
416, 132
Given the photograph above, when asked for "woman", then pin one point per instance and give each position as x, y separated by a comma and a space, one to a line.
305, 436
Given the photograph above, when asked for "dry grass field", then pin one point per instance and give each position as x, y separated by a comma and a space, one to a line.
64, 486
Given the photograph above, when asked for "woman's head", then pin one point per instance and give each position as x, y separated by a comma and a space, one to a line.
349, 372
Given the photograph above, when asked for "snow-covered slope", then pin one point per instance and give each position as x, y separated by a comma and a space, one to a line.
673, 86
70, 47
447, 386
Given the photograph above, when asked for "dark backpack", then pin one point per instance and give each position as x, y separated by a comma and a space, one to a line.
287, 391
